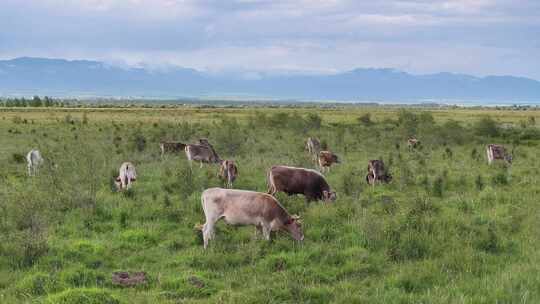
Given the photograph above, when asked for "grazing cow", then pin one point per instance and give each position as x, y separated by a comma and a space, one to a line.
498, 152
326, 159
171, 146
228, 172
292, 180
202, 152
240, 207
313, 146
126, 176
377, 172
34, 160
413, 143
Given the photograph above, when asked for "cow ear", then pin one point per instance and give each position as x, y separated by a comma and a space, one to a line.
118, 179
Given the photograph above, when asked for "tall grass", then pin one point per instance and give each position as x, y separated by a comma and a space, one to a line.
447, 229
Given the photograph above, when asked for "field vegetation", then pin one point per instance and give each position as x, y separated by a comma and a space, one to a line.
447, 229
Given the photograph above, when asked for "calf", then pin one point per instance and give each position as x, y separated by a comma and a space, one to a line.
171, 147
498, 152
326, 159
413, 143
377, 172
313, 146
34, 160
126, 175
202, 152
240, 207
228, 172
292, 180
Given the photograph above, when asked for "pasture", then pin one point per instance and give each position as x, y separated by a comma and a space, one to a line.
447, 229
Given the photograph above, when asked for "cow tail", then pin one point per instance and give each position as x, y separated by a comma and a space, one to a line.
269, 182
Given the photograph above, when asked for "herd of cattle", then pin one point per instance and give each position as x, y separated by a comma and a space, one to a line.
263, 210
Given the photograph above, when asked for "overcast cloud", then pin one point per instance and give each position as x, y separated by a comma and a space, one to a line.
478, 37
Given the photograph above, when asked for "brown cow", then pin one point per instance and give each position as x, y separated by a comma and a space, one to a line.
240, 207
413, 143
326, 159
377, 172
292, 180
313, 146
228, 172
171, 146
498, 152
202, 152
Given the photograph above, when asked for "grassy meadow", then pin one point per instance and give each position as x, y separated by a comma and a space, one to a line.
447, 229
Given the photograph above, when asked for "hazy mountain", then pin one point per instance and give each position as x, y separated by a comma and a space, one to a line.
59, 77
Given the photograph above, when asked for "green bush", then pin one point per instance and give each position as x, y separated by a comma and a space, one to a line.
37, 284
83, 296
486, 126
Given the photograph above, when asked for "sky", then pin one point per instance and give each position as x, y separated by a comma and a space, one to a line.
478, 37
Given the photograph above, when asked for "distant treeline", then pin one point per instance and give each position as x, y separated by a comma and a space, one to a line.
47, 101
36, 101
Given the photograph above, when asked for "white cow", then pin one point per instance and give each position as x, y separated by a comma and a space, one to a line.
126, 176
34, 160
240, 207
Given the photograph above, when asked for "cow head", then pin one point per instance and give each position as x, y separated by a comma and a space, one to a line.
329, 196
294, 227
508, 158
387, 178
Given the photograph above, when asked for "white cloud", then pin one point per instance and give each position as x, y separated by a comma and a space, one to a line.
475, 36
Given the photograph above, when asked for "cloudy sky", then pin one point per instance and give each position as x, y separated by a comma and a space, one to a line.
478, 37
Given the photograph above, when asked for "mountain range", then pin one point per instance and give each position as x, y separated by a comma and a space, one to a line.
65, 78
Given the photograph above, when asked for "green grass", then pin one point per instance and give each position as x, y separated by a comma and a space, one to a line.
448, 229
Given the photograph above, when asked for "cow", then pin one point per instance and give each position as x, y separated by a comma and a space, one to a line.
202, 152
498, 152
413, 143
326, 159
126, 175
292, 180
241, 207
34, 160
313, 146
228, 172
377, 172
171, 146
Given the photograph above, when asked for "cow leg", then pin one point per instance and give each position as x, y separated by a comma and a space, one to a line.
29, 170
208, 231
258, 231
200, 166
266, 231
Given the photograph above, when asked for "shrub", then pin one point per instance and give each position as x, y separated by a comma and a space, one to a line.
83, 296
438, 185
138, 140
36, 284
479, 182
500, 178
448, 153
18, 158
81, 276
313, 121
486, 126
365, 119
68, 119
